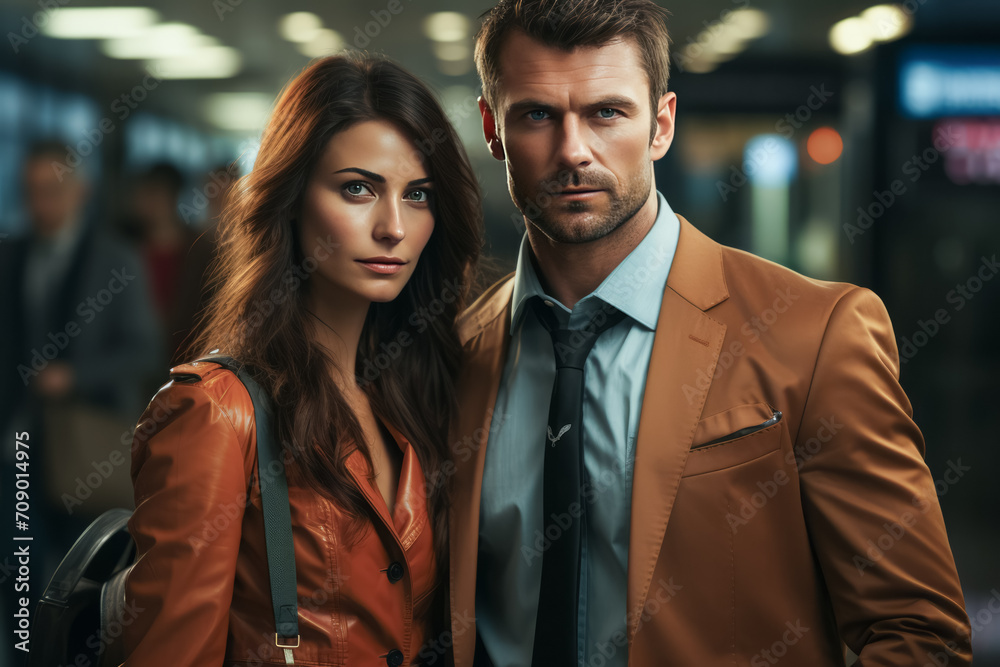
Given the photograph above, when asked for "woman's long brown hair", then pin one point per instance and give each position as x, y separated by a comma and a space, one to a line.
261, 277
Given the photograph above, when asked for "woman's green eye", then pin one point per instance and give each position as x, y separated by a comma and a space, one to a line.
355, 188
419, 196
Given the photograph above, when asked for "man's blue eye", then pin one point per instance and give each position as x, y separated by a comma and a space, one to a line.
537, 115
607, 113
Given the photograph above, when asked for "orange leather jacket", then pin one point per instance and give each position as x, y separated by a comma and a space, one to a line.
199, 593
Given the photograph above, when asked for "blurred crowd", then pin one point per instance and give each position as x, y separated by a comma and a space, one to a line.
94, 313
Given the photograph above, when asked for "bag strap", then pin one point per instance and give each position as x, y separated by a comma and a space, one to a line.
277, 514
90, 544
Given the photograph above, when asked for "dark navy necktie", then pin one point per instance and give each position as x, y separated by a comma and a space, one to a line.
555, 641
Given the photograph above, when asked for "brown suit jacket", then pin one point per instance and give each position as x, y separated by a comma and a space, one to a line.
752, 540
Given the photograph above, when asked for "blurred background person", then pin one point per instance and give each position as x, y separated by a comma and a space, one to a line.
174, 251
76, 309
163, 238
79, 341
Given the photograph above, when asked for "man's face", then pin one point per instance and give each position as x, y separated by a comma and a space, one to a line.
574, 130
51, 202
154, 201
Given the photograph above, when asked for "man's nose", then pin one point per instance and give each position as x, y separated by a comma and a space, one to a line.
574, 151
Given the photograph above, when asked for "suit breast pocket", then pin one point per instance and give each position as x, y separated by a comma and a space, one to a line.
732, 437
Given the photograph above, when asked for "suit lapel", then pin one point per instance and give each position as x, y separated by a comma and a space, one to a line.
685, 351
486, 340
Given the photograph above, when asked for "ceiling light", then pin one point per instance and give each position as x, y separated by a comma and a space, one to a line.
165, 40
724, 40
446, 26
701, 66
238, 111
98, 22
727, 42
212, 62
325, 42
748, 23
300, 27
852, 35
888, 22
451, 50
696, 53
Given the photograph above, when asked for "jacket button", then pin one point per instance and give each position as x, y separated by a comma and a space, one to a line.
394, 658
395, 572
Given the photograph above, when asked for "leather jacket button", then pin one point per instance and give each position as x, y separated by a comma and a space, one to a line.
394, 658
395, 572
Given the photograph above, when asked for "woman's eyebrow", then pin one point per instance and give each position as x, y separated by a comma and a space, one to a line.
378, 178
364, 172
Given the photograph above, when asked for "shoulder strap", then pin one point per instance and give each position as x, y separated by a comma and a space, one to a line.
277, 515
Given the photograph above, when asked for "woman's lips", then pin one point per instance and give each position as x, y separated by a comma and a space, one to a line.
382, 267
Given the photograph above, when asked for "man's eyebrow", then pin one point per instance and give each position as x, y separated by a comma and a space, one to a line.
614, 102
531, 105
525, 105
378, 178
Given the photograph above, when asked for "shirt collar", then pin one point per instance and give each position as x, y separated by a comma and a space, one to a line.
634, 287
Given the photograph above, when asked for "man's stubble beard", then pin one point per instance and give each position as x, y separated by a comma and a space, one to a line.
622, 207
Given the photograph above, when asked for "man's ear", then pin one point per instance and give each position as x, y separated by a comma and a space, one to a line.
664, 135
490, 130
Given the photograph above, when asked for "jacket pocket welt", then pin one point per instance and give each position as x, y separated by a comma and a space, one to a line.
742, 432
738, 447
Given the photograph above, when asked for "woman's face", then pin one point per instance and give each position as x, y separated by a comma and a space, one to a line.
366, 214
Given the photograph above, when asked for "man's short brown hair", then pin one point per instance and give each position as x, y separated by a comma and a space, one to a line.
567, 24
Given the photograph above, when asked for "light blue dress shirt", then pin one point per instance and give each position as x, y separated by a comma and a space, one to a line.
511, 542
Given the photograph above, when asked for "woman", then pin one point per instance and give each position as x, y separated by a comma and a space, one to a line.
360, 217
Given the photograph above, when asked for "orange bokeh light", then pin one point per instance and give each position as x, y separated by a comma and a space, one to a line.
825, 145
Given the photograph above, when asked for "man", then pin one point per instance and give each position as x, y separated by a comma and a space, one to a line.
77, 334
76, 304
748, 492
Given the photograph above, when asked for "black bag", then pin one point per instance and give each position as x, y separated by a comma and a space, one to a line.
82, 611
78, 604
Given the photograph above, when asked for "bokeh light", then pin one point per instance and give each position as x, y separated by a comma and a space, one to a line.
825, 145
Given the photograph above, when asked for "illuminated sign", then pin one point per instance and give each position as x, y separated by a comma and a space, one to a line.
949, 81
974, 154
